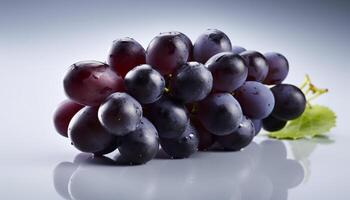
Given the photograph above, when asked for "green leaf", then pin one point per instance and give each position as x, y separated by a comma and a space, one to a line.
315, 121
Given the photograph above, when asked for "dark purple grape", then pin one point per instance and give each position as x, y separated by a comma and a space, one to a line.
145, 84
192, 82
189, 45
167, 52
238, 49
240, 138
209, 43
278, 68
256, 99
257, 65
63, 114
125, 54
86, 132
257, 125
112, 147
140, 145
90, 82
229, 71
168, 116
120, 113
206, 139
271, 123
290, 102
220, 113
181, 147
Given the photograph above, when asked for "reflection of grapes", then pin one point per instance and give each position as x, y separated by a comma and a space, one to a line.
259, 172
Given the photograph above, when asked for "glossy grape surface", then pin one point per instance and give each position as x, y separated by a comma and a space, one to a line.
257, 65
290, 102
209, 43
145, 84
238, 49
206, 139
220, 113
120, 113
90, 82
167, 52
271, 123
192, 82
256, 99
125, 54
229, 71
257, 125
278, 68
86, 132
63, 114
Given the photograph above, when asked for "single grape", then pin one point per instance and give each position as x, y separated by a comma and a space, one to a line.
220, 113
168, 116
278, 68
90, 82
257, 125
86, 132
240, 138
145, 84
167, 52
140, 145
112, 147
192, 82
290, 102
238, 49
257, 65
206, 139
181, 147
229, 71
120, 113
271, 123
63, 114
125, 54
209, 43
256, 99
189, 45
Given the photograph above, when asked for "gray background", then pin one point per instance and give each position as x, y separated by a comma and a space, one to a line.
40, 39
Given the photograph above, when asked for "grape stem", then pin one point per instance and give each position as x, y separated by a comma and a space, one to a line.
307, 87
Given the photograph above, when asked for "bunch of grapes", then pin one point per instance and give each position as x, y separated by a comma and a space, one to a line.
181, 96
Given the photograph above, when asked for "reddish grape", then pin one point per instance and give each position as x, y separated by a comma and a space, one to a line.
63, 114
90, 82
125, 54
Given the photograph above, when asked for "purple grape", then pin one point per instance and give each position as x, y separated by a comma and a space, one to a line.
140, 145
256, 99
120, 113
209, 43
257, 65
229, 71
271, 123
257, 125
167, 52
112, 147
220, 113
206, 139
192, 82
125, 54
238, 49
63, 115
189, 45
86, 132
90, 82
145, 84
278, 68
290, 102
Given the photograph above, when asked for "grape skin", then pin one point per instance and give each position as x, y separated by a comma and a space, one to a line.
192, 82
290, 102
86, 132
120, 113
257, 125
256, 100
257, 65
125, 54
219, 113
209, 43
90, 82
229, 71
145, 84
141, 145
271, 123
238, 49
278, 68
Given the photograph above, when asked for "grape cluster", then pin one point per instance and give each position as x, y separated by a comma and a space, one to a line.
177, 95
